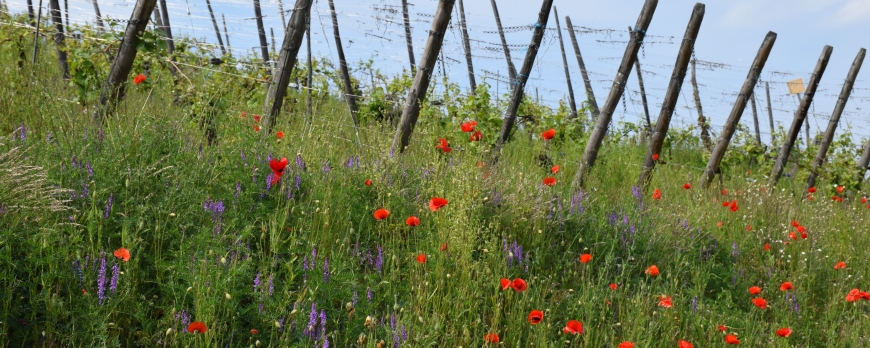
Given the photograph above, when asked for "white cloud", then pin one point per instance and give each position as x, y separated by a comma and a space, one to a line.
851, 12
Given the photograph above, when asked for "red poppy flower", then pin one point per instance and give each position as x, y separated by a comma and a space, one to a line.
626, 344
243, 114
854, 295
652, 271
657, 194
810, 197
665, 301
505, 284
535, 317
840, 189
786, 286
368, 182
519, 285
481, 164
784, 332
722, 328
84, 292
863, 199
726, 203
804, 235
123, 254
436, 203
613, 286
254, 331
837, 199
655, 157
760, 302
766, 246
277, 168
731, 339
196, 326
748, 227
279, 135
381, 214
139, 79
733, 206
548, 134
555, 169
585, 258
256, 118
724, 192
421, 258
792, 235
811, 190
573, 327
412, 221
491, 338
840, 265
476, 136
754, 290
444, 246
549, 181
443, 145
687, 186
256, 128
468, 126
686, 344
719, 224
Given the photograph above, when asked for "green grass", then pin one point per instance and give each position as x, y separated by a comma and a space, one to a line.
188, 264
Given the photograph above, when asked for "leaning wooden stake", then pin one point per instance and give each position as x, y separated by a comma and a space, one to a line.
345, 76
755, 119
795, 129
226, 34
420, 86
590, 95
642, 91
674, 88
835, 116
702, 121
603, 122
158, 20
522, 77
408, 40
36, 35
65, 10
737, 110
770, 113
167, 28
512, 72
31, 16
281, 12
100, 26
465, 44
863, 164
113, 89
261, 32
286, 61
571, 103
217, 30
58, 37
272, 34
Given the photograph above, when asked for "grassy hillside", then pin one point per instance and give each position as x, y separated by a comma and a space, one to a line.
304, 262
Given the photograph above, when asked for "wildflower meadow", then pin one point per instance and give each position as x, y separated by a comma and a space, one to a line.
183, 219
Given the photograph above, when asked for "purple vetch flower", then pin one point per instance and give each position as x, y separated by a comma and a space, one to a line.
296, 181
100, 134
281, 324
85, 191
325, 341
300, 163
2, 208
379, 262
269, 181
48, 137
238, 190
305, 263
257, 281
77, 270
244, 159
216, 208
108, 206
734, 252
392, 320
326, 270
22, 132
260, 309
113, 284
311, 329
576, 206
369, 294
90, 170
354, 298
694, 305
271, 284
101, 280
637, 192
322, 331
326, 168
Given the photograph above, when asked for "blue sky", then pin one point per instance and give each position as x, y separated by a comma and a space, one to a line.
731, 34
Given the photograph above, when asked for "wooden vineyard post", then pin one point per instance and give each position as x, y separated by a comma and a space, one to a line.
737, 110
807, 130
642, 91
670, 102
30, 14
345, 76
100, 26
158, 20
58, 37
618, 87
226, 33
512, 72
65, 10
286, 61
310, 72
281, 12
590, 95
217, 29
755, 118
272, 34
422, 77
770, 113
794, 130
835, 116
702, 121
261, 32
36, 35
471, 82
167, 28
571, 102
523, 76
408, 40
113, 89
863, 164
